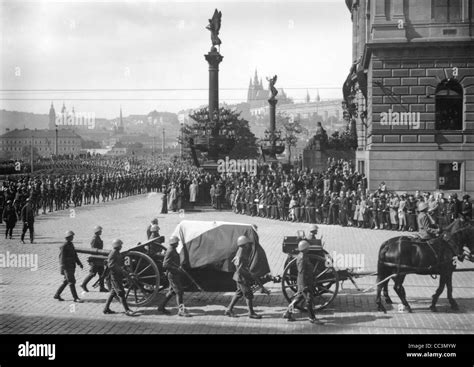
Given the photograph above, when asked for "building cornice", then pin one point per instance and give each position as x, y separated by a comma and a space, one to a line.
452, 43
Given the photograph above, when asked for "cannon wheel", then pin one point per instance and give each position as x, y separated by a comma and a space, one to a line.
326, 282
143, 281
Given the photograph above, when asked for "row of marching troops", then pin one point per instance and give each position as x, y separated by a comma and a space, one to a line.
49, 193
68, 259
377, 210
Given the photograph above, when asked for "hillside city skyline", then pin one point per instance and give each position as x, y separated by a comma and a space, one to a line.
149, 56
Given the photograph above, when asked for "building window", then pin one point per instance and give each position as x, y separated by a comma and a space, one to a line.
449, 105
449, 175
446, 10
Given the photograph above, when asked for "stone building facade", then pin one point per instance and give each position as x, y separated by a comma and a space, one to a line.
411, 92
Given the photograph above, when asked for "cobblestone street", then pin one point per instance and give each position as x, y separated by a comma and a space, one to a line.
27, 304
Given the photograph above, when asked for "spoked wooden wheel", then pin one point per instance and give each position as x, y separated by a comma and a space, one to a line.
326, 282
288, 280
143, 281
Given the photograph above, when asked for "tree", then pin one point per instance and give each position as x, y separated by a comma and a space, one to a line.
347, 140
291, 129
245, 141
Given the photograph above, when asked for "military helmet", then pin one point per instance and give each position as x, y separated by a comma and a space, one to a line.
155, 221
69, 234
154, 228
97, 229
173, 240
242, 240
117, 243
313, 228
422, 206
303, 245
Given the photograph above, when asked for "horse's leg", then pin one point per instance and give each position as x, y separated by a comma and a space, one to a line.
449, 286
388, 300
382, 274
442, 283
399, 279
378, 298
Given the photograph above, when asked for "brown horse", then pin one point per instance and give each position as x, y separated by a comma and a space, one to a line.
404, 255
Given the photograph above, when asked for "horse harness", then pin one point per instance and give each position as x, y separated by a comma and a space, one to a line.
439, 263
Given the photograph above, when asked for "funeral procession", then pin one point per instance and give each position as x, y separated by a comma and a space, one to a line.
147, 187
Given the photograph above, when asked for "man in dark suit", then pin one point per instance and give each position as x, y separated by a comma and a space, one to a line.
28, 217
67, 261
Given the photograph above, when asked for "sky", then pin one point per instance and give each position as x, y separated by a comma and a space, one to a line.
99, 56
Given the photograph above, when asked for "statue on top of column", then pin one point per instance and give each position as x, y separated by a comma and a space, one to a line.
214, 26
273, 90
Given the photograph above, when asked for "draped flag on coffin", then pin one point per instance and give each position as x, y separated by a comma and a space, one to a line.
204, 243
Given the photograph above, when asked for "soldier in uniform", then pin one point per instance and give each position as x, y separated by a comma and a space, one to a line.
172, 265
305, 284
115, 265
67, 261
148, 230
243, 278
313, 231
426, 225
95, 267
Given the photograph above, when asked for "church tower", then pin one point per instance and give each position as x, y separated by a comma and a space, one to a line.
52, 118
120, 129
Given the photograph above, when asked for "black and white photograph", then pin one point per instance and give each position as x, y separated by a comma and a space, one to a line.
257, 168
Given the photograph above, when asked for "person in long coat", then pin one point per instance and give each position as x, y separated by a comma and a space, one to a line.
164, 201
193, 193
411, 213
172, 197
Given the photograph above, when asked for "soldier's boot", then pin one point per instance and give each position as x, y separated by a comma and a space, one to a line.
161, 308
182, 311
102, 286
312, 316
107, 309
229, 311
252, 313
128, 311
289, 312
59, 291
72, 287
86, 280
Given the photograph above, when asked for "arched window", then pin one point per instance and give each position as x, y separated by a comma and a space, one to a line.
449, 105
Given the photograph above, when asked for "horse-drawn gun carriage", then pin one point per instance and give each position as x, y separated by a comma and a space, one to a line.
206, 250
